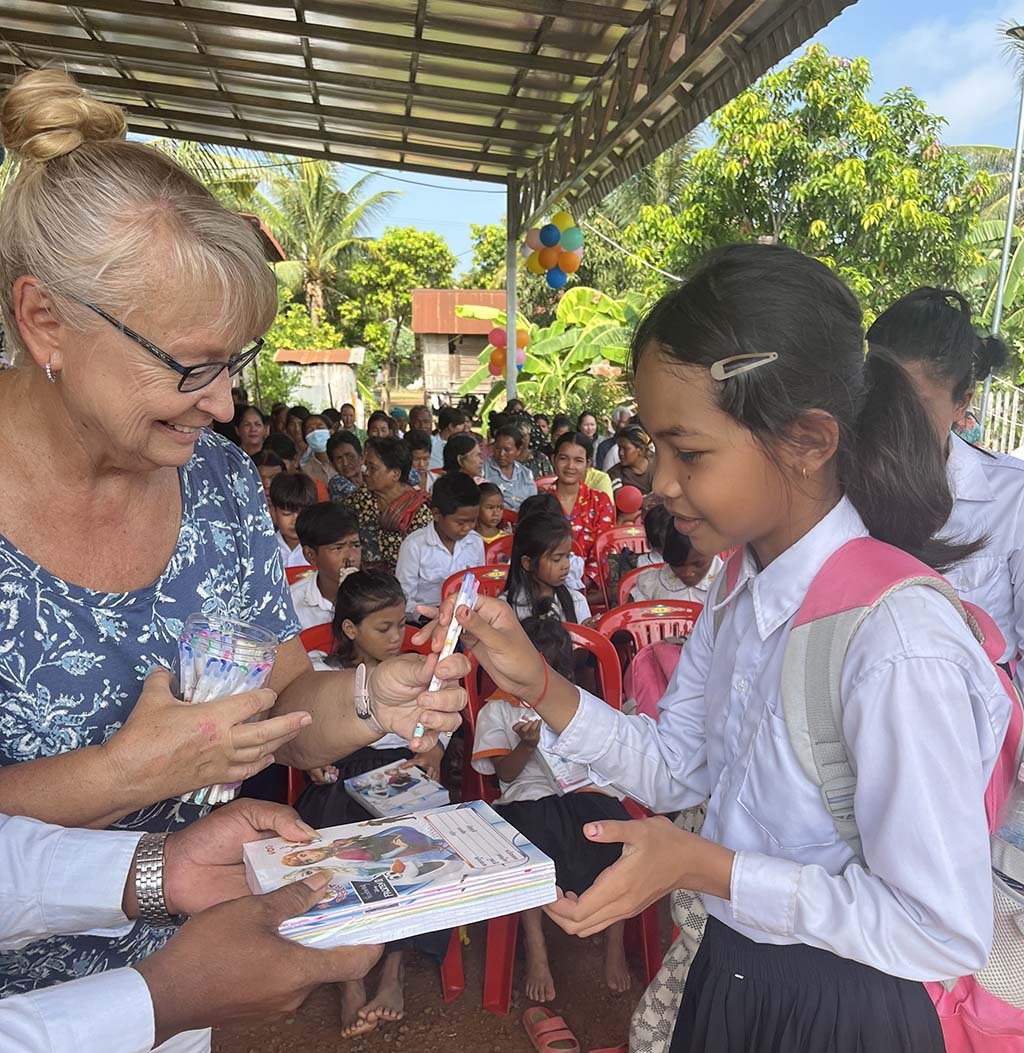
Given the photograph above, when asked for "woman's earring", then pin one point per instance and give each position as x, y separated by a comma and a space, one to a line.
804, 470
49, 374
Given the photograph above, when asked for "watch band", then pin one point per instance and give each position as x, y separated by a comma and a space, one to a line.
361, 697
149, 880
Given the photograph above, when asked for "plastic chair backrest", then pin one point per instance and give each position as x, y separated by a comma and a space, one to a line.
475, 787
318, 638
613, 540
628, 579
651, 620
545, 482
292, 574
499, 550
509, 516
609, 669
491, 577
408, 647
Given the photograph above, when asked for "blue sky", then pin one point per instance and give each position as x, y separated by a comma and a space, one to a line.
948, 51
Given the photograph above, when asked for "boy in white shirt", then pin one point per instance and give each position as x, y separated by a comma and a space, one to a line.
431, 555
290, 493
330, 544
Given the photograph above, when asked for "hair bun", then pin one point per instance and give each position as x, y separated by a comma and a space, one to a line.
45, 114
990, 355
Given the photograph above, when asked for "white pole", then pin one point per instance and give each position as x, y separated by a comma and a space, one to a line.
511, 265
1004, 266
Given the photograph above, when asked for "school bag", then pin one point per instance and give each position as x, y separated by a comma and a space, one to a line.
983, 1013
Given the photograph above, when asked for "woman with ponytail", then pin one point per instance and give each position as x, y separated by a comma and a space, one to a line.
929, 333
776, 435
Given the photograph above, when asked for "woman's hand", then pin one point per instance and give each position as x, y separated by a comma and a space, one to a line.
167, 747
398, 692
493, 635
657, 858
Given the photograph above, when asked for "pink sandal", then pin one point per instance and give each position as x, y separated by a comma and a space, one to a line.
549, 1033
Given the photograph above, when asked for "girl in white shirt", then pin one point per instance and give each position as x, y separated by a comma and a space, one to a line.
684, 573
929, 331
775, 433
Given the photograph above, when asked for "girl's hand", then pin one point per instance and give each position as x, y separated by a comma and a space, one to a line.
398, 692
657, 858
528, 731
171, 747
429, 762
326, 776
493, 635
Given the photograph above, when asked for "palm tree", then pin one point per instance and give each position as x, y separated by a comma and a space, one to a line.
231, 176
320, 224
655, 184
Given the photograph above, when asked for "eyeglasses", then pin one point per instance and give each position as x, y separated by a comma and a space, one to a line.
193, 378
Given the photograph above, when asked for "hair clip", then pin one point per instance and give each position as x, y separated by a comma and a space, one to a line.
725, 368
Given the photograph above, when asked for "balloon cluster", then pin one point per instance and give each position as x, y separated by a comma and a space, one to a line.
498, 338
556, 248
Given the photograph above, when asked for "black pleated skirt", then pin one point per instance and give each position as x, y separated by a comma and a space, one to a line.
555, 825
747, 997
323, 806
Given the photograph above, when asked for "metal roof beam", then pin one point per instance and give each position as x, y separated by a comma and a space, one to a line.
336, 34
181, 59
605, 14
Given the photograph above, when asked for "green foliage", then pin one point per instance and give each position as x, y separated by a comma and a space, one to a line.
378, 313
578, 362
804, 157
488, 268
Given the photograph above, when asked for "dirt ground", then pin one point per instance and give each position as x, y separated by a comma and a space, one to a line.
598, 1017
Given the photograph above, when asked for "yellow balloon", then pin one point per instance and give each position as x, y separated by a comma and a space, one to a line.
562, 220
533, 264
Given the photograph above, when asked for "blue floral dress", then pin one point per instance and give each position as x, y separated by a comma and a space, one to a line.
72, 661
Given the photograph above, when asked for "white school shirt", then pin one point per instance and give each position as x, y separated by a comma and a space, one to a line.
579, 602
924, 716
56, 881
988, 500
424, 564
311, 606
661, 583
292, 557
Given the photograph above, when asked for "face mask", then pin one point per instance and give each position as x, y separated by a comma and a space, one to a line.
317, 440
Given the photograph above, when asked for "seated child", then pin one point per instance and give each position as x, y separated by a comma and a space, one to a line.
538, 571
329, 538
492, 505
290, 493
432, 554
269, 465
534, 801
420, 445
685, 574
369, 626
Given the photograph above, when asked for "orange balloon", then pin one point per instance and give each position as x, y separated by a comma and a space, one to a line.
497, 359
569, 262
548, 257
522, 338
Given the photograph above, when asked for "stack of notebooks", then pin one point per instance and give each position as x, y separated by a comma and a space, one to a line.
396, 789
404, 875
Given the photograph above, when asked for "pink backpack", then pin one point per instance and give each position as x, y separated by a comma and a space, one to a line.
983, 1013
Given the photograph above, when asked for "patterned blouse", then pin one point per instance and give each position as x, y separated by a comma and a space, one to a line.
380, 547
72, 662
592, 514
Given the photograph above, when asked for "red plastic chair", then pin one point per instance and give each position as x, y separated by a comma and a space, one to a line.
643, 932
651, 620
613, 540
292, 574
499, 550
509, 517
545, 482
491, 578
627, 581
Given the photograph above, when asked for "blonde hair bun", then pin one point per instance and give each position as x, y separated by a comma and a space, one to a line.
45, 114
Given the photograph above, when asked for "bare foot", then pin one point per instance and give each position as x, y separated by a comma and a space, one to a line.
388, 1004
616, 969
540, 984
353, 998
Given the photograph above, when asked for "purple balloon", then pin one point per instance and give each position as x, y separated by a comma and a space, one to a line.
550, 235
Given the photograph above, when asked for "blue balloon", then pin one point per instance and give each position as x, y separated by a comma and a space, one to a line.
557, 277
572, 239
549, 235
519, 368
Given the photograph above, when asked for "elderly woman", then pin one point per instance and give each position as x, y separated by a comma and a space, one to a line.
130, 298
506, 471
387, 507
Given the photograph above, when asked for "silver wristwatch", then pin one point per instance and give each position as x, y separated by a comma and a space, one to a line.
149, 880
363, 705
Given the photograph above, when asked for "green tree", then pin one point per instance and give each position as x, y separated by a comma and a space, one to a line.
487, 270
321, 226
804, 157
379, 311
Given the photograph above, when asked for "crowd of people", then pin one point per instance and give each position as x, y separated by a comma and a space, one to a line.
765, 449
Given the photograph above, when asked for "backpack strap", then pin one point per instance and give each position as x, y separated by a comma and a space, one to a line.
853, 582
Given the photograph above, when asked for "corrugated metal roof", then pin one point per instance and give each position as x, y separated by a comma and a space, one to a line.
559, 100
349, 356
433, 310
